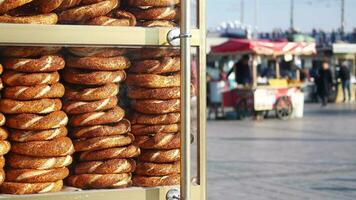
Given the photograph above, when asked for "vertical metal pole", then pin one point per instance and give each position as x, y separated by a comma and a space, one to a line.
342, 28
292, 15
185, 99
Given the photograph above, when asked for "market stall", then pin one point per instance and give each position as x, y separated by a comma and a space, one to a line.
280, 95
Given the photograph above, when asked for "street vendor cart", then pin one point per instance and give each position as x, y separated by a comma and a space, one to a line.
280, 95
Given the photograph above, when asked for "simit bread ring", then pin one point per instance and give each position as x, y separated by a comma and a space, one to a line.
152, 53
170, 118
2, 119
7, 5
99, 143
119, 128
154, 169
163, 141
1, 69
44, 64
87, 12
47, 6
155, 13
114, 166
24, 52
140, 3
153, 80
37, 122
156, 106
36, 175
2, 176
138, 129
92, 94
122, 18
12, 78
97, 118
3, 133
162, 66
159, 93
158, 23
79, 107
96, 52
86, 181
42, 106
28, 136
34, 92
30, 188
98, 63
93, 77
51, 18
160, 156
17, 161
155, 181
4, 147
119, 152
68, 4
2, 164
53, 148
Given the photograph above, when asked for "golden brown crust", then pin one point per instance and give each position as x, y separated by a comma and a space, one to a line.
170, 118
92, 94
100, 181
139, 129
162, 66
3, 133
98, 118
156, 13
2, 119
158, 23
152, 53
93, 77
42, 106
99, 143
138, 3
119, 152
79, 107
119, 128
156, 106
4, 147
36, 175
47, 6
30, 188
50, 63
155, 169
153, 80
24, 52
164, 141
42, 91
58, 147
2, 164
37, 122
86, 12
113, 166
8, 5
96, 52
155, 181
98, 63
159, 93
28, 136
122, 18
160, 156
1, 69
68, 4
12, 78
17, 161
49, 19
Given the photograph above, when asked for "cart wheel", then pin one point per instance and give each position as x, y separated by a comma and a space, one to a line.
284, 108
242, 110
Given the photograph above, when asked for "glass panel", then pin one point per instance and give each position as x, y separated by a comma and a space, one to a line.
107, 101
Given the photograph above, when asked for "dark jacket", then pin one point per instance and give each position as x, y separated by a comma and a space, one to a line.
242, 73
325, 81
344, 73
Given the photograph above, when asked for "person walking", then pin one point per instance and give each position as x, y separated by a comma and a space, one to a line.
324, 83
345, 76
242, 71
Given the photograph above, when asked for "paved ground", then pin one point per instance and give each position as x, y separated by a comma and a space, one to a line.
311, 158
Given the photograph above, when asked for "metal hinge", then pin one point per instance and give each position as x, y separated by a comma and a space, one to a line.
173, 194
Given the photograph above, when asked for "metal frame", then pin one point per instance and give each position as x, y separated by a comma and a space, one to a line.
67, 35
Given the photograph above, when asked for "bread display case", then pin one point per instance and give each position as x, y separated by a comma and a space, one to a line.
102, 99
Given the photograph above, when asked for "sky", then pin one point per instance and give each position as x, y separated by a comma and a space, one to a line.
309, 14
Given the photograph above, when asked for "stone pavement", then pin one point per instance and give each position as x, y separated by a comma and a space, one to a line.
310, 158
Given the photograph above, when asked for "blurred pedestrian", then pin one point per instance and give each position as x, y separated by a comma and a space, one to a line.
242, 71
345, 76
324, 83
